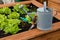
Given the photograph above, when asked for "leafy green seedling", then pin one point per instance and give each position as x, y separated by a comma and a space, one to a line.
6, 10
2, 21
20, 10
12, 26
28, 18
1, 11
32, 15
14, 15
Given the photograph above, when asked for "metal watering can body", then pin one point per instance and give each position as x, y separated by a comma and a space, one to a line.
44, 19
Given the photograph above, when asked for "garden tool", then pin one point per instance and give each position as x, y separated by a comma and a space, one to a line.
33, 22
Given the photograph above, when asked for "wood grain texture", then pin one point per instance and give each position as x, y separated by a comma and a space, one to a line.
40, 1
55, 1
56, 7
58, 15
50, 36
32, 33
38, 4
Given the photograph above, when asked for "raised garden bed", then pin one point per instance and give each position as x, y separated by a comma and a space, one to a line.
25, 31
21, 25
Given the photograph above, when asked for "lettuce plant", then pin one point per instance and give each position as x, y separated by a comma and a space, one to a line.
12, 26
28, 19
14, 15
6, 10
20, 10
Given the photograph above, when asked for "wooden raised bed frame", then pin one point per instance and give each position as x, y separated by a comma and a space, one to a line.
30, 33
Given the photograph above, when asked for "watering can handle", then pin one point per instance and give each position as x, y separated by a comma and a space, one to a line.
55, 13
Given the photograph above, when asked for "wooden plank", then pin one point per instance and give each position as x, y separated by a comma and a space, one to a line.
55, 1
49, 36
12, 4
31, 33
38, 4
54, 5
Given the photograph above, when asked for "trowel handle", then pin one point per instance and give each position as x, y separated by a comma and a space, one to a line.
34, 22
35, 18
